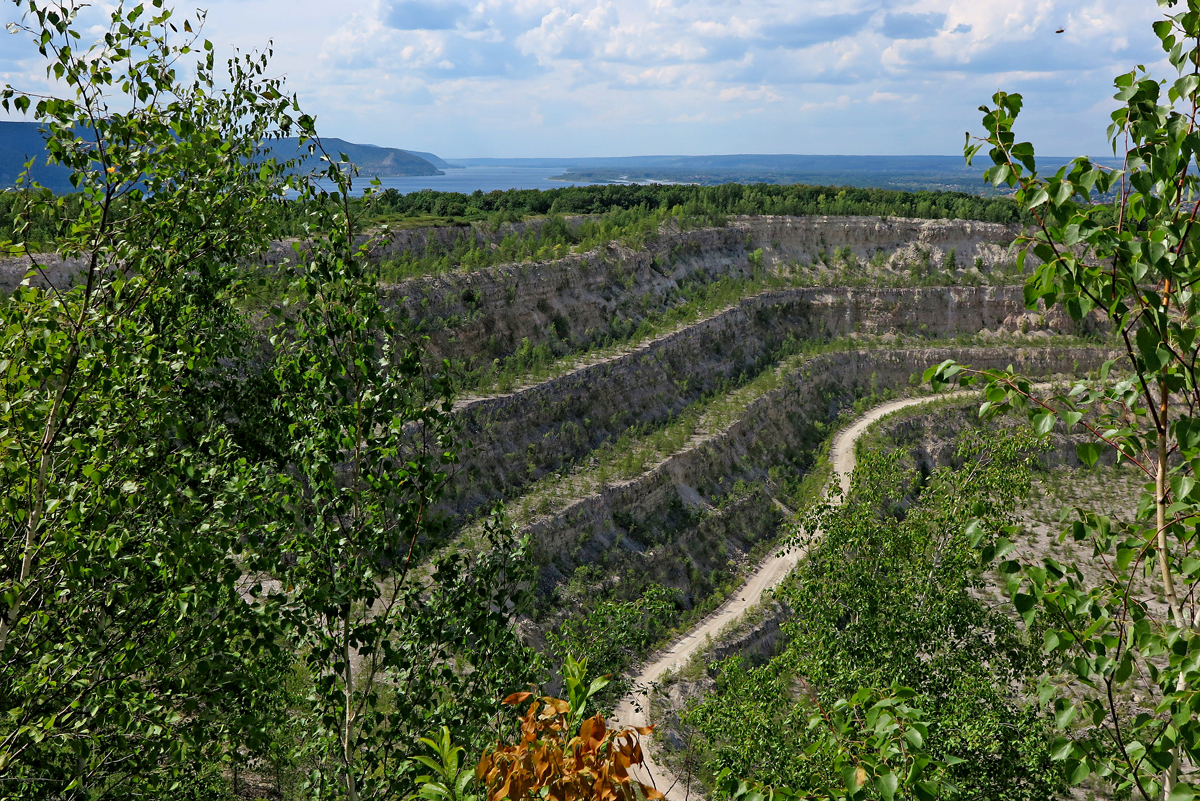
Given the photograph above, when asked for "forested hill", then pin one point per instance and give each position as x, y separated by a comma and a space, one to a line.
436, 161
21, 141
371, 160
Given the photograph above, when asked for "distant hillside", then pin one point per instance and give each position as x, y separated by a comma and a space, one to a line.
436, 161
372, 161
20, 141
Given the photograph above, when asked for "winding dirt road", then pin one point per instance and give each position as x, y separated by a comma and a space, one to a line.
631, 711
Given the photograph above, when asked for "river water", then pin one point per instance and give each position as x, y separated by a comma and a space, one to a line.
487, 179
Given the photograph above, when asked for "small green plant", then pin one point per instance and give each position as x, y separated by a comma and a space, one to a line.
448, 780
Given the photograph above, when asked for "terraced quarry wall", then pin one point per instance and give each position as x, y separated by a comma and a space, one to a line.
680, 522
520, 436
57, 271
577, 298
580, 279
656, 508
695, 506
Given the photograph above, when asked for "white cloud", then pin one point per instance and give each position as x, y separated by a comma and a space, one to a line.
891, 97
612, 77
838, 103
747, 93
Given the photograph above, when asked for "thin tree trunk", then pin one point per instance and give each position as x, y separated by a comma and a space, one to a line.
48, 435
35, 517
347, 737
1171, 774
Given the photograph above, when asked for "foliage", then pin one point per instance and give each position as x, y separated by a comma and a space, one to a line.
34, 216
703, 202
877, 742
562, 756
448, 780
1127, 692
211, 540
614, 633
393, 636
887, 598
552, 238
122, 480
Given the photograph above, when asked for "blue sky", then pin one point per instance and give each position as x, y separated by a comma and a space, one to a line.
634, 77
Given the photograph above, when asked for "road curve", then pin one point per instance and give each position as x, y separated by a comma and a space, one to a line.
770, 572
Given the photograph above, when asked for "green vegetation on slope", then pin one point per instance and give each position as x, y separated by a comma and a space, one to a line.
1137, 273
553, 239
886, 597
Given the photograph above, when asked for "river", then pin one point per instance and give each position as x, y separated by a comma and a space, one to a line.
486, 179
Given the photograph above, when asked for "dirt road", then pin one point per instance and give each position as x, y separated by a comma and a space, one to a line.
769, 573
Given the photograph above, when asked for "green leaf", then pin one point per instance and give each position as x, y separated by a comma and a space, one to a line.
927, 791
1043, 423
1182, 792
914, 738
1124, 668
1024, 602
1088, 453
598, 684
1148, 342
1064, 716
1062, 749
1181, 487
886, 783
975, 532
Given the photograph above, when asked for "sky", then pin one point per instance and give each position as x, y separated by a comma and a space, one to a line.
557, 78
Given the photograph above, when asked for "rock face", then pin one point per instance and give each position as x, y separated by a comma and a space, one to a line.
490, 312
930, 440
804, 238
521, 436
644, 513
758, 642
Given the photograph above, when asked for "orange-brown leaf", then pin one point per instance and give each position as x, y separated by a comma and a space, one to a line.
557, 704
516, 698
596, 732
549, 762
651, 793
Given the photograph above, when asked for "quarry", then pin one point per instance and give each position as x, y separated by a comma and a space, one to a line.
683, 403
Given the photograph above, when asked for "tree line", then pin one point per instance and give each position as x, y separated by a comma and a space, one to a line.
704, 201
710, 205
